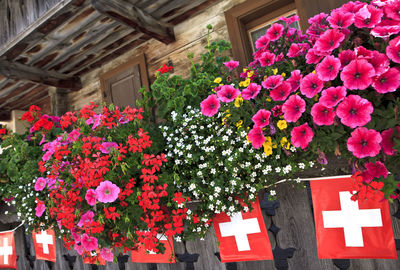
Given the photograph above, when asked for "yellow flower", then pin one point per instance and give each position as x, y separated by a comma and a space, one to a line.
283, 74
275, 71
268, 140
238, 101
316, 97
218, 80
268, 99
241, 84
250, 73
267, 149
239, 124
313, 71
245, 69
282, 124
246, 82
285, 143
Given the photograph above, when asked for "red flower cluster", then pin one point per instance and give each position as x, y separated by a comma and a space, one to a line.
164, 69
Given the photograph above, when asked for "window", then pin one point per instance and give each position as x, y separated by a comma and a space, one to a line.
121, 86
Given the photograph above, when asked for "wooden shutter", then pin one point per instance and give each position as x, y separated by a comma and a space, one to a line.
121, 85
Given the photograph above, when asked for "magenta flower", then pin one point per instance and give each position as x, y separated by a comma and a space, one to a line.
262, 42
107, 192
380, 62
346, 57
107, 147
354, 111
393, 50
332, 96
231, 65
86, 219
340, 19
357, 75
322, 115
281, 92
90, 197
256, 137
386, 28
275, 31
78, 248
277, 110
297, 49
311, 85
74, 135
272, 81
251, 91
375, 171
368, 16
392, 10
89, 243
328, 69
329, 40
40, 207
294, 80
387, 82
364, 142
210, 105
266, 59
293, 108
388, 144
313, 56
106, 254
261, 118
228, 93
40, 183
301, 136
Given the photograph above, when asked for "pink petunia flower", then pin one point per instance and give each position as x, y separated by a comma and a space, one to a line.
392, 10
40, 183
317, 19
388, 144
251, 91
352, 6
329, 40
40, 207
277, 110
393, 50
301, 136
386, 28
262, 42
107, 147
354, 111
75, 235
387, 82
374, 171
261, 118
364, 142
313, 56
331, 96
322, 115
210, 105
380, 62
368, 16
357, 75
297, 49
346, 57
228, 93
106, 254
311, 85
294, 80
231, 65
90, 197
281, 92
340, 19
107, 192
266, 59
328, 69
78, 248
256, 137
89, 243
74, 135
86, 219
293, 108
272, 81
275, 31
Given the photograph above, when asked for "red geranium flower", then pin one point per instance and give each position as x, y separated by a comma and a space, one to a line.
164, 69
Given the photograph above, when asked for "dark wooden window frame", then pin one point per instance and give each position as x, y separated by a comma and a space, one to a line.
139, 60
249, 14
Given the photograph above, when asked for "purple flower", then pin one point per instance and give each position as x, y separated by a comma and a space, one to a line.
106, 147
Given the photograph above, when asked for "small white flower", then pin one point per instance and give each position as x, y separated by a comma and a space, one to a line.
272, 192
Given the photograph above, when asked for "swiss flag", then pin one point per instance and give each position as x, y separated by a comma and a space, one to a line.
243, 237
45, 245
8, 256
93, 257
349, 229
146, 256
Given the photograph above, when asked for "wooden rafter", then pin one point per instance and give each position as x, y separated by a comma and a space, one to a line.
19, 71
130, 15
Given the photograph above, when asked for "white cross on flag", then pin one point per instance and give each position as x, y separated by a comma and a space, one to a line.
8, 256
348, 229
243, 237
45, 245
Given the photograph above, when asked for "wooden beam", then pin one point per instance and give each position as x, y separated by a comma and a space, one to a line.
132, 16
19, 71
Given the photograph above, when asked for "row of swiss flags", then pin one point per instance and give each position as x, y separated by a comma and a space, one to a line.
344, 229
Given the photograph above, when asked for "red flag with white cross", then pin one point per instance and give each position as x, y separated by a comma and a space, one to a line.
243, 237
45, 245
348, 229
8, 255
147, 256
